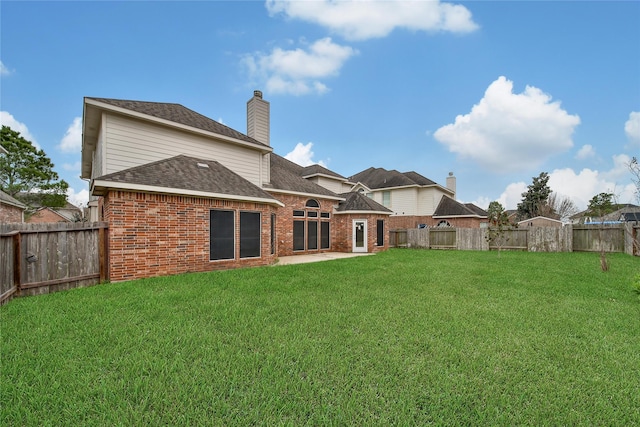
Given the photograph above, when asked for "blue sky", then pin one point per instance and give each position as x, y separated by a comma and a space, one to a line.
494, 91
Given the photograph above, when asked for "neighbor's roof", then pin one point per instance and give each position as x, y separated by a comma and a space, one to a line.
449, 207
184, 175
376, 178
287, 177
358, 202
8, 200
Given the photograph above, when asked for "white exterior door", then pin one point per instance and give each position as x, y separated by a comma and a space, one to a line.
359, 235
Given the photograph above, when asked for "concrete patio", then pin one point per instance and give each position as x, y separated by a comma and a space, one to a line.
323, 256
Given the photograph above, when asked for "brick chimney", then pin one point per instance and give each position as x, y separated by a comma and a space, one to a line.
451, 183
258, 118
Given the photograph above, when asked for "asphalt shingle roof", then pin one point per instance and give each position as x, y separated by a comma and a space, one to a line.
450, 207
381, 178
288, 176
4, 197
318, 169
355, 201
189, 173
178, 114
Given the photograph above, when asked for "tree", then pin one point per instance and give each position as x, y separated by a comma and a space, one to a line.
26, 173
535, 197
498, 225
634, 168
599, 206
559, 206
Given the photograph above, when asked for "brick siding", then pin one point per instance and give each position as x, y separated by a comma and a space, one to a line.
159, 235
10, 214
46, 215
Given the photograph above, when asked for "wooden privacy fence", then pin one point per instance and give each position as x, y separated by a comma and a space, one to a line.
43, 258
611, 238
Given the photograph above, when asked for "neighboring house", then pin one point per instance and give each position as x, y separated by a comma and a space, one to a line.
540, 221
414, 199
585, 217
11, 210
182, 192
67, 213
451, 213
630, 217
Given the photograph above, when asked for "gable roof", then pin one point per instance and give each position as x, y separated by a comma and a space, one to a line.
169, 114
8, 200
449, 207
377, 178
316, 169
357, 202
287, 177
187, 176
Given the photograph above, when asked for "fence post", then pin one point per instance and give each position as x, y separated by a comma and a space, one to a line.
102, 254
17, 261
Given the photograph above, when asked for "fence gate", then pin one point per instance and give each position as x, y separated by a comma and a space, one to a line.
43, 258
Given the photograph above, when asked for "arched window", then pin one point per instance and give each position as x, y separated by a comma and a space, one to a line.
312, 203
444, 223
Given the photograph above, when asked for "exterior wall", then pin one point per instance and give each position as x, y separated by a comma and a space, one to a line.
404, 201
284, 223
46, 215
328, 183
10, 214
159, 235
428, 200
413, 221
129, 143
540, 222
343, 225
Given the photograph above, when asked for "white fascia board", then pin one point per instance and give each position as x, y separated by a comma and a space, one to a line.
296, 193
180, 192
362, 213
127, 112
458, 216
324, 175
373, 190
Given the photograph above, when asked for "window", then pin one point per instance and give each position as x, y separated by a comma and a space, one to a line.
249, 234
312, 203
444, 223
312, 214
380, 233
298, 235
324, 235
386, 199
298, 213
221, 235
326, 215
312, 235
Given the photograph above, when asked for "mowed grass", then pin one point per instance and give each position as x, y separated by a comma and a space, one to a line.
405, 337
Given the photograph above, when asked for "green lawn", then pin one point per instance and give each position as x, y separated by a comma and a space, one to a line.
405, 337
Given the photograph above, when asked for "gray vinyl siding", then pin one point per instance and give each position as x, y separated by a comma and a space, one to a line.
131, 143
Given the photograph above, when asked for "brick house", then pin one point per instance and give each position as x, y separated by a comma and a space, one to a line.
11, 210
182, 192
417, 201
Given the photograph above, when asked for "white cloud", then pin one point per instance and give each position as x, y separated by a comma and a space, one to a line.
303, 155
510, 132
72, 140
7, 119
581, 186
632, 127
361, 20
585, 152
78, 198
298, 71
72, 167
4, 71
